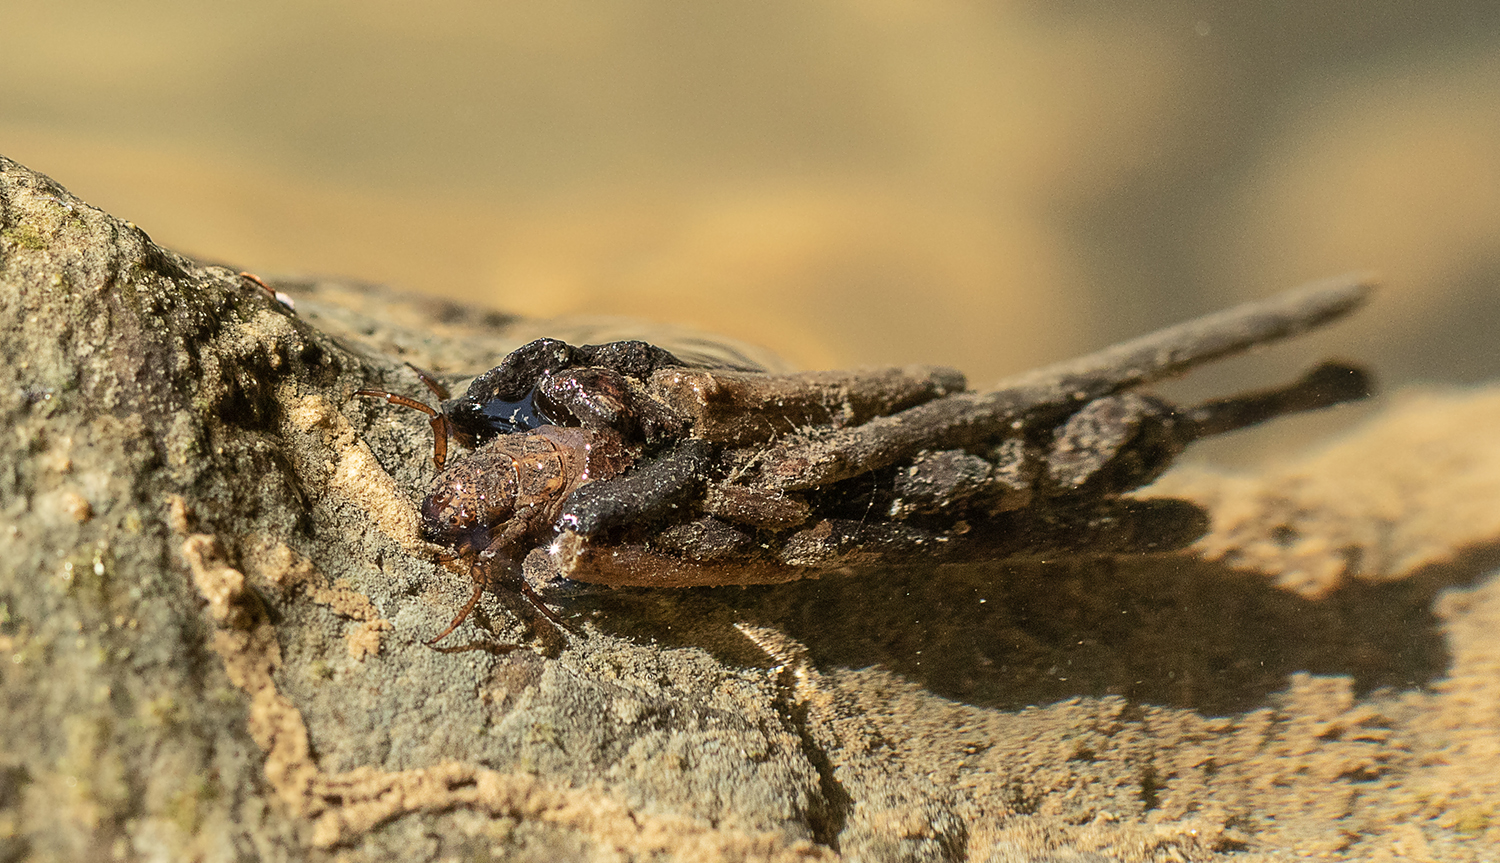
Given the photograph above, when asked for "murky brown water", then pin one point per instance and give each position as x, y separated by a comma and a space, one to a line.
982, 185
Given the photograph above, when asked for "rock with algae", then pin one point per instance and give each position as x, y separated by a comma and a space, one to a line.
213, 596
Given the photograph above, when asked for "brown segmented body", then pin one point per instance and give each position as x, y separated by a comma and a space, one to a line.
514, 486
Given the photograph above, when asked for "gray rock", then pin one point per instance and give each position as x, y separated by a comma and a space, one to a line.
213, 597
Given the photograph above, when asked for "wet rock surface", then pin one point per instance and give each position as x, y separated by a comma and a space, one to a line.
213, 595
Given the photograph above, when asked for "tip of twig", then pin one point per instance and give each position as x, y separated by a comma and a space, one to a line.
1337, 295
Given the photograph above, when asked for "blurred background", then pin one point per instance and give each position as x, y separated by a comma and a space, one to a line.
983, 185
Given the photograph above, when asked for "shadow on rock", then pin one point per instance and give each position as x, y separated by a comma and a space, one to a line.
1172, 631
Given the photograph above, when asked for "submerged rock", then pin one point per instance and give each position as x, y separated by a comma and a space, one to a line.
213, 593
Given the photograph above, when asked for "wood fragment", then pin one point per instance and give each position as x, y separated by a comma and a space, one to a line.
964, 419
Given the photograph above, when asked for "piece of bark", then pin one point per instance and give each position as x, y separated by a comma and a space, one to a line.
968, 418
213, 593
